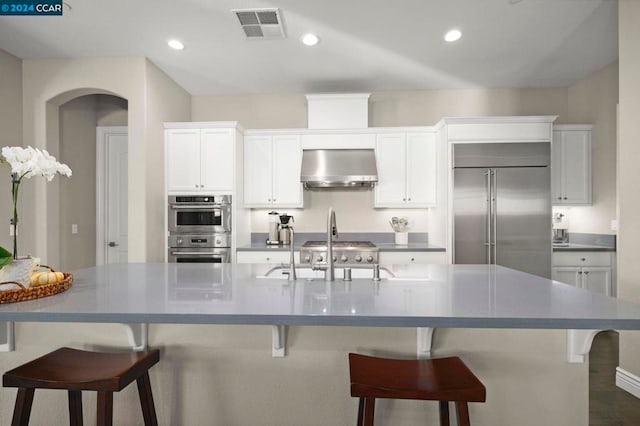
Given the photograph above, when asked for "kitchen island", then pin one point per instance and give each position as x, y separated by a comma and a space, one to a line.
208, 370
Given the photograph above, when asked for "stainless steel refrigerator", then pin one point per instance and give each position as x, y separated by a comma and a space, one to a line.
502, 205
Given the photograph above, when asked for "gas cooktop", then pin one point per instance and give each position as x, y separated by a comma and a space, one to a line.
345, 253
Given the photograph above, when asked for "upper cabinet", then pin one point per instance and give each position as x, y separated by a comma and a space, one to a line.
272, 171
571, 165
200, 160
407, 166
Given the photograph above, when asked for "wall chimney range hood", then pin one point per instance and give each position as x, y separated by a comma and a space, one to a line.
338, 168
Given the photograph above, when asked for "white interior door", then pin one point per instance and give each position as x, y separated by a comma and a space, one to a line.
112, 205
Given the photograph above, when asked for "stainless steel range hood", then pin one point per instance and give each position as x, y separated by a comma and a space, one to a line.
338, 168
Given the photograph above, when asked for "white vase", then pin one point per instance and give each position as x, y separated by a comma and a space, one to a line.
19, 270
402, 238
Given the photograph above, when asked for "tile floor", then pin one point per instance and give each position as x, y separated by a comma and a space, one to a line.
608, 404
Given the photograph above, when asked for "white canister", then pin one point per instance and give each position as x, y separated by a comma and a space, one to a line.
402, 238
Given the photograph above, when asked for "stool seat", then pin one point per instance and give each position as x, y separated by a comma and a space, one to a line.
440, 379
76, 371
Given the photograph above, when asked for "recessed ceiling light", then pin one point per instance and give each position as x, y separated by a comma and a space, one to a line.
310, 39
452, 35
175, 44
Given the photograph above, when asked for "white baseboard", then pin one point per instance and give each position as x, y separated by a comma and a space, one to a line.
628, 381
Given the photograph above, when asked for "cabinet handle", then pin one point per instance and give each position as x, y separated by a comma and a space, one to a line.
268, 259
565, 198
559, 198
586, 272
579, 272
404, 199
413, 258
583, 258
197, 186
274, 200
269, 199
409, 199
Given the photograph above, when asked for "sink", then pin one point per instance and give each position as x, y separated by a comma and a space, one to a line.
308, 273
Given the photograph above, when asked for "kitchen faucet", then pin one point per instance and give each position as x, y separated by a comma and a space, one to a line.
332, 230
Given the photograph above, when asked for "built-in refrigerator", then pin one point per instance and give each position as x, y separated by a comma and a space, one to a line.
502, 205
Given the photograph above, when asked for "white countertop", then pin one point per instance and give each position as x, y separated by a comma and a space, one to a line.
470, 296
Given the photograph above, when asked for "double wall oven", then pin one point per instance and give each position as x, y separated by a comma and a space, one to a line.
199, 228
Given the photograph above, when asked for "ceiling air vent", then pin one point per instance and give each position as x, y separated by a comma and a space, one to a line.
260, 23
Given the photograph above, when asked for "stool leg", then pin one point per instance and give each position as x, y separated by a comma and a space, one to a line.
463, 413
146, 400
22, 409
369, 410
444, 413
75, 408
360, 412
105, 409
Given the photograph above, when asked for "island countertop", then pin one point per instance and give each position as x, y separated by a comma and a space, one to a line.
463, 296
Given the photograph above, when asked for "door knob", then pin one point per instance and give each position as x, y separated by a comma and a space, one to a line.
113, 244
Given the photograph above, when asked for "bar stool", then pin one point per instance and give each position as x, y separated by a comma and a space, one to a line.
77, 370
440, 379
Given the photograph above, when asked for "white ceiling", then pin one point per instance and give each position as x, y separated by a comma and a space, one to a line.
366, 45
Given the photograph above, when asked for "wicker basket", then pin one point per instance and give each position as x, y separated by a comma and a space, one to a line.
29, 293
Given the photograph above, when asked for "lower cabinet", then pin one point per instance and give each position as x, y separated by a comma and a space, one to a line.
588, 270
409, 257
267, 256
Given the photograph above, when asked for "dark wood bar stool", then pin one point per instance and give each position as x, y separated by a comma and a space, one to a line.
440, 379
76, 371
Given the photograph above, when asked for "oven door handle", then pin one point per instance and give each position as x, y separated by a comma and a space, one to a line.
194, 253
195, 206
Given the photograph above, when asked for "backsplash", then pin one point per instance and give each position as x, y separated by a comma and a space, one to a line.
374, 237
602, 240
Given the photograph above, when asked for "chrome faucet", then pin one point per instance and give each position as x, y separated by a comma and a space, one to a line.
291, 273
332, 231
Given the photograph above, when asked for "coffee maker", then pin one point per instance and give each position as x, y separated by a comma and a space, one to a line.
274, 229
285, 230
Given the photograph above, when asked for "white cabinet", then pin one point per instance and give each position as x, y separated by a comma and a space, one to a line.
571, 165
406, 165
272, 171
200, 160
588, 270
271, 257
409, 257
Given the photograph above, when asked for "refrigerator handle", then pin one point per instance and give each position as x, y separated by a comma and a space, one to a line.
487, 237
494, 211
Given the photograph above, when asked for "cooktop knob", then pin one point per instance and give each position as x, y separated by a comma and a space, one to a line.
179, 241
369, 259
344, 258
358, 258
307, 258
320, 258
335, 258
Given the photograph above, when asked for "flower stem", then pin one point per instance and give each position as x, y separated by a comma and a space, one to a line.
15, 184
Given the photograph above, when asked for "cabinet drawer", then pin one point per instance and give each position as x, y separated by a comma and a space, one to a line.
270, 257
408, 257
584, 258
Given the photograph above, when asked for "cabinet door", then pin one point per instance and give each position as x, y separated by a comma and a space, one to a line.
391, 156
567, 275
287, 160
183, 160
216, 150
556, 168
597, 280
258, 165
571, 167
421, 170
576, 167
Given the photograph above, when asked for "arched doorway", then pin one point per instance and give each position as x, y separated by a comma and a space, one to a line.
71, 120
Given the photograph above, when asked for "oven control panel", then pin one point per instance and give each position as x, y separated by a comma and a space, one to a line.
199, 240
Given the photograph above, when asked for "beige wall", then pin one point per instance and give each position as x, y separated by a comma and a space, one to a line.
152, 99
629, 173
593, 100
164, 101
11, 125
